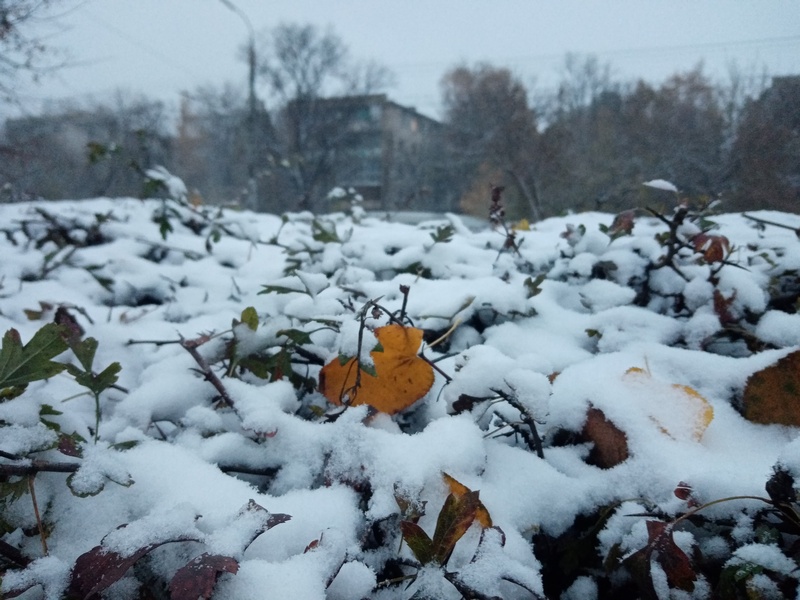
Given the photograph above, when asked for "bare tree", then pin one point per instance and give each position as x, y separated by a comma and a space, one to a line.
21, 52
492, 132
302, 67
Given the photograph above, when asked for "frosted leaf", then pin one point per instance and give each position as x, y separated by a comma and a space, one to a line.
99, 465
49, 571
175, 186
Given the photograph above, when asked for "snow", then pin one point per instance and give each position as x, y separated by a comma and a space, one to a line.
661, 184
585, 338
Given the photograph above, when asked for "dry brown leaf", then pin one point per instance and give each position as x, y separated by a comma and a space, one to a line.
401, 377
610, 442
772, 395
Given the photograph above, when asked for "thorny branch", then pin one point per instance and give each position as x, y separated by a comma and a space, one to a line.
191, 347
532, 439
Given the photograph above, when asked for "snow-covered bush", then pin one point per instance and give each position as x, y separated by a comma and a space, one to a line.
235, 405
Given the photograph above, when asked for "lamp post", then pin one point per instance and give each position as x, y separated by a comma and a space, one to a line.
252, 188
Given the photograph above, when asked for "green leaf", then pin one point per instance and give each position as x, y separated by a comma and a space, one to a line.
418, 542
297, 336
20, 365
122, 446
444, 234
84, 351
533, 286
250, 318
101, 382
322, 234
279, 289
455, 518
107, 376
369, 370
47, 410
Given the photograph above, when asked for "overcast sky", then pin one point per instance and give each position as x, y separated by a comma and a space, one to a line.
161, 47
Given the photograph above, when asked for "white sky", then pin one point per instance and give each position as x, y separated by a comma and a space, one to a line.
161, 47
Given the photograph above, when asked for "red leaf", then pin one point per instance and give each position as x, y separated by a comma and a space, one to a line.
196, 579
713, 247
99, 568
662, 549
722, 306
623, 223
685, 492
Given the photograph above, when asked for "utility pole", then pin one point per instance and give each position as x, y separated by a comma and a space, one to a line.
252, 107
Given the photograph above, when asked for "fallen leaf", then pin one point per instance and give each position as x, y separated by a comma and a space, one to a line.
400, 376
772, 395
610, 442
677, 409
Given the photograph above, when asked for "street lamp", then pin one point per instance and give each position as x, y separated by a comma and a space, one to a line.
251, 104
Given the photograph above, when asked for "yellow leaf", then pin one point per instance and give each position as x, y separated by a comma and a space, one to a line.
401, 377
671, 400
522, 225
458, 490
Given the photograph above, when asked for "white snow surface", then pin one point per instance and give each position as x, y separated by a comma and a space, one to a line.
195, 464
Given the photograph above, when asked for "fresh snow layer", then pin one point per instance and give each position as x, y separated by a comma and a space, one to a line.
561, 348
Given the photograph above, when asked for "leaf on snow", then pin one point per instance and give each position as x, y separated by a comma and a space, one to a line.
99, 568
196, 579
772, 395
400, 376
610, 442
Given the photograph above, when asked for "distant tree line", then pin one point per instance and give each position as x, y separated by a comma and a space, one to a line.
588, 145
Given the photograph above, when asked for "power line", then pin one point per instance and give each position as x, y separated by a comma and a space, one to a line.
166, 59
619, 52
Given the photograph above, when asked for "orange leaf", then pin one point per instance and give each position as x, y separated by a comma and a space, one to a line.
458, 489
772, 395
401, 377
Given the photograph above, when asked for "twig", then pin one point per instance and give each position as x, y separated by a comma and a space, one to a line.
39, 523
191, 347
435, 367
404, 289
773, 223
533, 440
154, 342
38, 466
31, 468
245, 470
